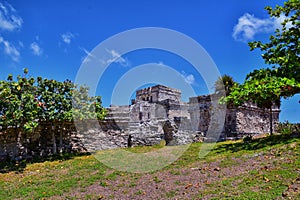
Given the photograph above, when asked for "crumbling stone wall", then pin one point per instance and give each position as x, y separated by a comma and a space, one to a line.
15, 143
200, 112
158, 93
82, 136
251, 119
248, 119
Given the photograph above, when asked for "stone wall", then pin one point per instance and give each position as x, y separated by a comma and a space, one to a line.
158, 93
253, 120
247, 119
200, 112
81, 136
15, 143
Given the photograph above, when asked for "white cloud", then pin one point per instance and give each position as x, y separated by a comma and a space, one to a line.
67, 37
188, 78
248, 26
87, 52
21, 44
114, 57
117, 58
10, 49
36, 49
160, 63
278, 22
9, 19
88, 56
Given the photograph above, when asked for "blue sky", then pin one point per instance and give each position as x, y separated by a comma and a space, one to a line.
52, 38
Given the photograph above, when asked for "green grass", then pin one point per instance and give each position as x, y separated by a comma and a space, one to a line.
145, 149
49, 178
60, 176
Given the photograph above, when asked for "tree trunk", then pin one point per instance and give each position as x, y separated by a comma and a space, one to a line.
53, 139
19, 142
60, 138
271, 121
25, 144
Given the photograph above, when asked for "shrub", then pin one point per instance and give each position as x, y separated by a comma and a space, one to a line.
288, 128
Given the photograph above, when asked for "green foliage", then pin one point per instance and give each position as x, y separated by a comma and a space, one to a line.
283, 50
265, 87
225, 83
26, 101
247, 139
17, 105
288, 128
85, 106
263, 91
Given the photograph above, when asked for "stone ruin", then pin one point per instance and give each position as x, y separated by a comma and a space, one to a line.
156, 113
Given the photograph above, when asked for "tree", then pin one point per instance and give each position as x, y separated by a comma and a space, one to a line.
226, 83
26, 102
265, 92
283, 48
265, 87
85, 107
56, 100
17, 106
51, 95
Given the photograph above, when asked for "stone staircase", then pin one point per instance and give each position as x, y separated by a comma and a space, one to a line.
119, 115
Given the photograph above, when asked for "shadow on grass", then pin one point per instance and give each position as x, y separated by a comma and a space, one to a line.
19, 166
256, 144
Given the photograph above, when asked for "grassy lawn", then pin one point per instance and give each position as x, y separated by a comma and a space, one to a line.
266, 168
